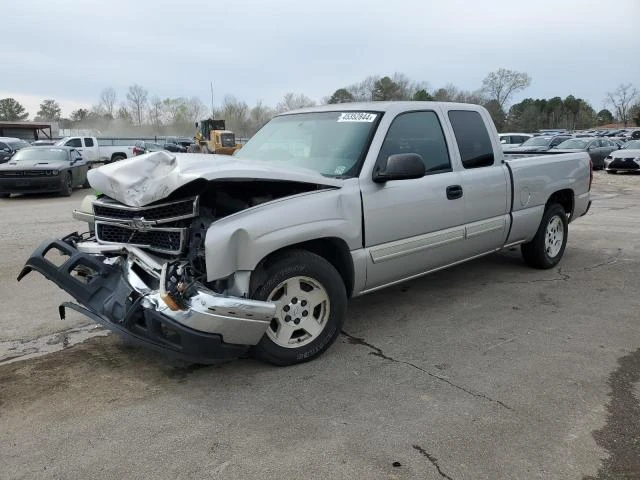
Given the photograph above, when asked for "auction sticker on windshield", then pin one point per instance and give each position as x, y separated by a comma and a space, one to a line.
357, 117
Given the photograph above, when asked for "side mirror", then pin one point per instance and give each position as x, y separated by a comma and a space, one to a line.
6, 150
400, 166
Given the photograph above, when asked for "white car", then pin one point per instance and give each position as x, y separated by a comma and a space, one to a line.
510, 140
627, 159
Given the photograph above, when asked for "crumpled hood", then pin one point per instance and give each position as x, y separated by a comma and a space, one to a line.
145, 179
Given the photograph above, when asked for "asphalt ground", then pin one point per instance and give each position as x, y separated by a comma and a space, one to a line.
489, 370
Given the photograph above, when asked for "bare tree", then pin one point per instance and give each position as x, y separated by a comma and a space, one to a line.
258, 116
448, 93
137, 98
236, 115
292, 101
502, 84
108, 98
156, 112
196, 109
621, 99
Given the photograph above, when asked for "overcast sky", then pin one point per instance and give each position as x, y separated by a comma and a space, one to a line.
260, 50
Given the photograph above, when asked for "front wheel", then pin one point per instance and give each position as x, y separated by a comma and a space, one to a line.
67, 186
311, 303
547, 247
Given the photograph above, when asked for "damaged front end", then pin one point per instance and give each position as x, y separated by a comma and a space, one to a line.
156, 304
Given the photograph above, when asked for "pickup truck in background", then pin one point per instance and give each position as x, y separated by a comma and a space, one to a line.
209, 257
93, 152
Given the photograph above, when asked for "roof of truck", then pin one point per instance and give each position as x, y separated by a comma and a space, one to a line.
398, 106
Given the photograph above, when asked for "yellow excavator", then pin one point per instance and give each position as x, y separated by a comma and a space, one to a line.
212, 137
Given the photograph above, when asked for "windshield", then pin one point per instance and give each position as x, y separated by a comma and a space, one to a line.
574, 143
633, 144
41, 154
537, 142
17, 145
331, 143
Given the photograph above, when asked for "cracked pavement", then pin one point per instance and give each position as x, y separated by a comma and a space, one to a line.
486, 370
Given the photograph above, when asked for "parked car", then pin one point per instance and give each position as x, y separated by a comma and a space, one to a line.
539, 144
510, 140
93, 152
43, 169
173, 144
259, 252
9, 146
627, 159
142, 147
597, 148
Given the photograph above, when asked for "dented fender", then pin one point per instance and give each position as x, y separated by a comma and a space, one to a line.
240, 241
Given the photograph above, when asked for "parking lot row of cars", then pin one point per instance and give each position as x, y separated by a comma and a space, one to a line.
605, 150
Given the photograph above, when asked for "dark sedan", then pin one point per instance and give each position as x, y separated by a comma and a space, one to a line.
539, 144
9, 146
43, 169
597, 148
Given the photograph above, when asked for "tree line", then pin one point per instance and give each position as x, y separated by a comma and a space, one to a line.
140, 113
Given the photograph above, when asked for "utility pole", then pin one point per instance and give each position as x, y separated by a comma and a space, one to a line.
212, 113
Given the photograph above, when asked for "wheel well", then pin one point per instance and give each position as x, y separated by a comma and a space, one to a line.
333, 250
564, 198
118, 155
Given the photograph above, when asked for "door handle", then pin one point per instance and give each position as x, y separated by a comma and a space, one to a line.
454, 192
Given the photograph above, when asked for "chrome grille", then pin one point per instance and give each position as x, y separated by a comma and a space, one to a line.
162, 227
165, 212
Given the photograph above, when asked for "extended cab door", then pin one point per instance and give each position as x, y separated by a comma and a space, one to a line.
485, 183
412, 225
90, 150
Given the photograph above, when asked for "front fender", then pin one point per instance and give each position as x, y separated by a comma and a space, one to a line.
242, 240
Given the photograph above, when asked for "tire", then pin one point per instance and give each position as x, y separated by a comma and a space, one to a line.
117, 158
547, 247
311, 302
67, 186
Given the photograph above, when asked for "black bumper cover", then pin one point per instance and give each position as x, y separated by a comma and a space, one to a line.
108, 299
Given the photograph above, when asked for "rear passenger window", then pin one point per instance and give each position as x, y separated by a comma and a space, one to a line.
88, 142
472, 138
421, 133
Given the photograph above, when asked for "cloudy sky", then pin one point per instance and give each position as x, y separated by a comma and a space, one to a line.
260, 50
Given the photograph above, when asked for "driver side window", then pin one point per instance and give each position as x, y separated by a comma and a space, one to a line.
421, 133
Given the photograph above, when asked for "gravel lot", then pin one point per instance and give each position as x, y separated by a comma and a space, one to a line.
487, 370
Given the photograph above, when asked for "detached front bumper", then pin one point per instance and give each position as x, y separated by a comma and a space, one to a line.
122, 291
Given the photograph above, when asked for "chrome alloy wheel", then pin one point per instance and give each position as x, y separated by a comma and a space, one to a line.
554, 236
302, 310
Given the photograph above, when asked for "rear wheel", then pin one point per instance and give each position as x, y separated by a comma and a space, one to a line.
311, 303
547, 247
117, 158
67, 186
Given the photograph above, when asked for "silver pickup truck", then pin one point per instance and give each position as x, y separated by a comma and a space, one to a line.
209, 256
